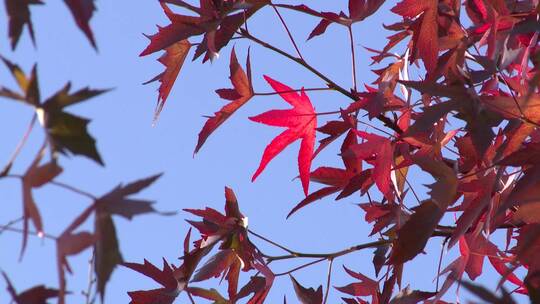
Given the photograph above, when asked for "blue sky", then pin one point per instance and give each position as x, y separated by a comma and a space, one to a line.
132, 148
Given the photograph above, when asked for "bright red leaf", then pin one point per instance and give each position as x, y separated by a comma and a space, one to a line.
300, 121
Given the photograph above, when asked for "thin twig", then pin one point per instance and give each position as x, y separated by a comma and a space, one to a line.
439, 266
385, 120
353, 56
271, 242
300, 267
292, 91
288, 31
329, 277
74, 190
20, 145
61, 185
88, 292
18, 230
331, 255
9, 224
190, 298
376, 128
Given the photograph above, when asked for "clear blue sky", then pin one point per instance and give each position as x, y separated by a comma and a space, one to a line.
132, 148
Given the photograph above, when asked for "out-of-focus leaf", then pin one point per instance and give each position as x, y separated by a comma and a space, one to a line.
35, 295
82, 11
307, 295
18, 12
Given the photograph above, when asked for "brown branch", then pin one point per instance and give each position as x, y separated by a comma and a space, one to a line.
331, 255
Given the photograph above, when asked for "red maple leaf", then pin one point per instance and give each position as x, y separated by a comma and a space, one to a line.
383, 152
425, 36
165, 277
301, 123
348, 180
173, 60
240, 95
365, 287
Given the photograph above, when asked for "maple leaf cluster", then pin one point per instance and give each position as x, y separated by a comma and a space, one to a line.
235, 253
470, 123
469, 120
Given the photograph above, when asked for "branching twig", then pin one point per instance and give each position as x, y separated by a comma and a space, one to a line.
9, 224
288, 31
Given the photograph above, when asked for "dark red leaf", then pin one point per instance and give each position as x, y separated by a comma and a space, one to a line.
242, 88
412, 237
82, 11
166, 295
173, 60
426, 30
307, 295
18, 12
35, 295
